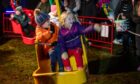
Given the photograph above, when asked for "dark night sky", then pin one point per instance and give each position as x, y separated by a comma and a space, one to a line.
30, 4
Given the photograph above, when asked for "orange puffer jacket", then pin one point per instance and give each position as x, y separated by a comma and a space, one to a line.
44, 35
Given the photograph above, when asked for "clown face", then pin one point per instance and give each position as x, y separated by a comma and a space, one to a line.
69, 21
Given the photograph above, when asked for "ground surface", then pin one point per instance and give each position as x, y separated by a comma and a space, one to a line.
18, 61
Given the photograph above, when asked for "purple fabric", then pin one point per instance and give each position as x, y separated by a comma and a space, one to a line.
70, 38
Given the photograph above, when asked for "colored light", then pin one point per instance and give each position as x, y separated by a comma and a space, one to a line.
9, 11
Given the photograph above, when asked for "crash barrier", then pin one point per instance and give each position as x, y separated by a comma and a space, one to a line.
103, 39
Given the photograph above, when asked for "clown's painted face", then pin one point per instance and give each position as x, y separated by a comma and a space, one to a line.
46, 24
69, 21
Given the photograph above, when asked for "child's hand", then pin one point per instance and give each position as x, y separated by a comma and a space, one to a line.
11, 16
97, 27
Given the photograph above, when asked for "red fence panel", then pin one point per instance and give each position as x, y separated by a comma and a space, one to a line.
97, 39
7, 27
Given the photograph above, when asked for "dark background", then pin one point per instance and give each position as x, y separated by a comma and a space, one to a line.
1, 10
5, 5
30, 4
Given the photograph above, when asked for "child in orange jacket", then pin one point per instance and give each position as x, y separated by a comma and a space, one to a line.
47, 34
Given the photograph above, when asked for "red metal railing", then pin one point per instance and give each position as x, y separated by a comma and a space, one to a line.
7, 27
94, 37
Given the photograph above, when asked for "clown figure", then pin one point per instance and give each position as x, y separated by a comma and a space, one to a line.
69, 39
46, 37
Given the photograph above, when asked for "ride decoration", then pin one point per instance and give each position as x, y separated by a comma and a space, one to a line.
21, 18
